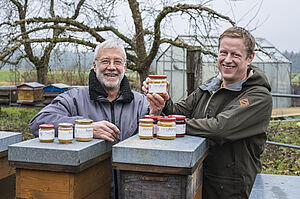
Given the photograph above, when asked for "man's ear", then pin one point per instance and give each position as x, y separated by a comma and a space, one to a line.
250, 58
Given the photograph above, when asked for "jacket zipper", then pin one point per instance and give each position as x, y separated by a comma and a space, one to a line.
112, 110
206, 106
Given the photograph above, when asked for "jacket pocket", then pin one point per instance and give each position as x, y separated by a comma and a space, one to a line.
222, 187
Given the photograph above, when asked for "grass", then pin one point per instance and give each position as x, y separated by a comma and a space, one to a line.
282, 160
17, 120
275, 159
6, 77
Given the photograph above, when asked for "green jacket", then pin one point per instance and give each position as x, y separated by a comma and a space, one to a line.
234, 119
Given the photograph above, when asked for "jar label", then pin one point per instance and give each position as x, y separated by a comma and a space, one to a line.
46, 135
84, 132
157, 88
145, 131
166, 131
65, 135
180, 128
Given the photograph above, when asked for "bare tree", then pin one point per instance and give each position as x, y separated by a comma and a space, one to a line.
88, 22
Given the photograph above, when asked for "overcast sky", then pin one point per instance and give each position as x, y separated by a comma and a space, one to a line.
277, 21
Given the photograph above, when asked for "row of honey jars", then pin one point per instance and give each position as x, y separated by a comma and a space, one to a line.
162, 127
83, 131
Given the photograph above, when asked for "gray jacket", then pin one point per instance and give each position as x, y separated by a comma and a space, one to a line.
91, 102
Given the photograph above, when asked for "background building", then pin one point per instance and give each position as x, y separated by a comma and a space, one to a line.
173, 63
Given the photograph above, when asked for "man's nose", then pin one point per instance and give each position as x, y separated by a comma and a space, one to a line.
228, 58
111, 66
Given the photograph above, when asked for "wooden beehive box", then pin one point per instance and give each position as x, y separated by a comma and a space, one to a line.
7, 173
30, 92
55, 170
8, 94
51, 91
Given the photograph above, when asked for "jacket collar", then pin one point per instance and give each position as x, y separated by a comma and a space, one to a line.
97, 92
215, 83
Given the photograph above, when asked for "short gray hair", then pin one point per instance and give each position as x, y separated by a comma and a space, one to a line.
110, 43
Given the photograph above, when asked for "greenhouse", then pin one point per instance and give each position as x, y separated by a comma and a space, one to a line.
172, 62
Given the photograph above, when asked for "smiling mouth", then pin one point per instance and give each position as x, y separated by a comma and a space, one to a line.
228, 67
111, 74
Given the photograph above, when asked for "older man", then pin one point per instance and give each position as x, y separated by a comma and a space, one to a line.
233, 111
108, 100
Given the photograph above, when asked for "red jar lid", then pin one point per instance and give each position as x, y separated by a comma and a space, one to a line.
170, 119
178, 117
157, 76
46, 126
155, 117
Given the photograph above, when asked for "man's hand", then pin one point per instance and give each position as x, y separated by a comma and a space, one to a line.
157, 102
145, 86
106, 130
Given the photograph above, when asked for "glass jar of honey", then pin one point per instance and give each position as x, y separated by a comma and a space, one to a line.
65, 133
166, 128
180, 124
157, 84
46, 132
83, 130
146, 128
155, 127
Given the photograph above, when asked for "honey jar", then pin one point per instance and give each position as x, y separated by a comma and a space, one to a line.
46, 132
65, 132
180, 124
166, 128
155, 127
157, 84
83, 130
146, 128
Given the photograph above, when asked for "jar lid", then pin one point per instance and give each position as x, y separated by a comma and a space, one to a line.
65, 124
84, 121
148, 116
157, 76
48, 126
178, 117
146, 120
170, 119
155, 117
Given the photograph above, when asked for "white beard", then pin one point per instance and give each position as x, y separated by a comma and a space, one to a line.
109, 84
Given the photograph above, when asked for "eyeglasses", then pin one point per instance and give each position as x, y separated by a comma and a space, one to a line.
107, 62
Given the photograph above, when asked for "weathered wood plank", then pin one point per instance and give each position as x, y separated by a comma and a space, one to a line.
42, 184
194, 183
102, 192
152, 169
285, 112
5, 170
150, 186
8, 187
160, 183
92, 179
91, 183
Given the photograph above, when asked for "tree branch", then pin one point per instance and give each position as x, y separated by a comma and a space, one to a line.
180, 44
179, 7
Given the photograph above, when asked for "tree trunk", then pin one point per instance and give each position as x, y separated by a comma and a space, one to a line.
193, 69
143, 75
42, 72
